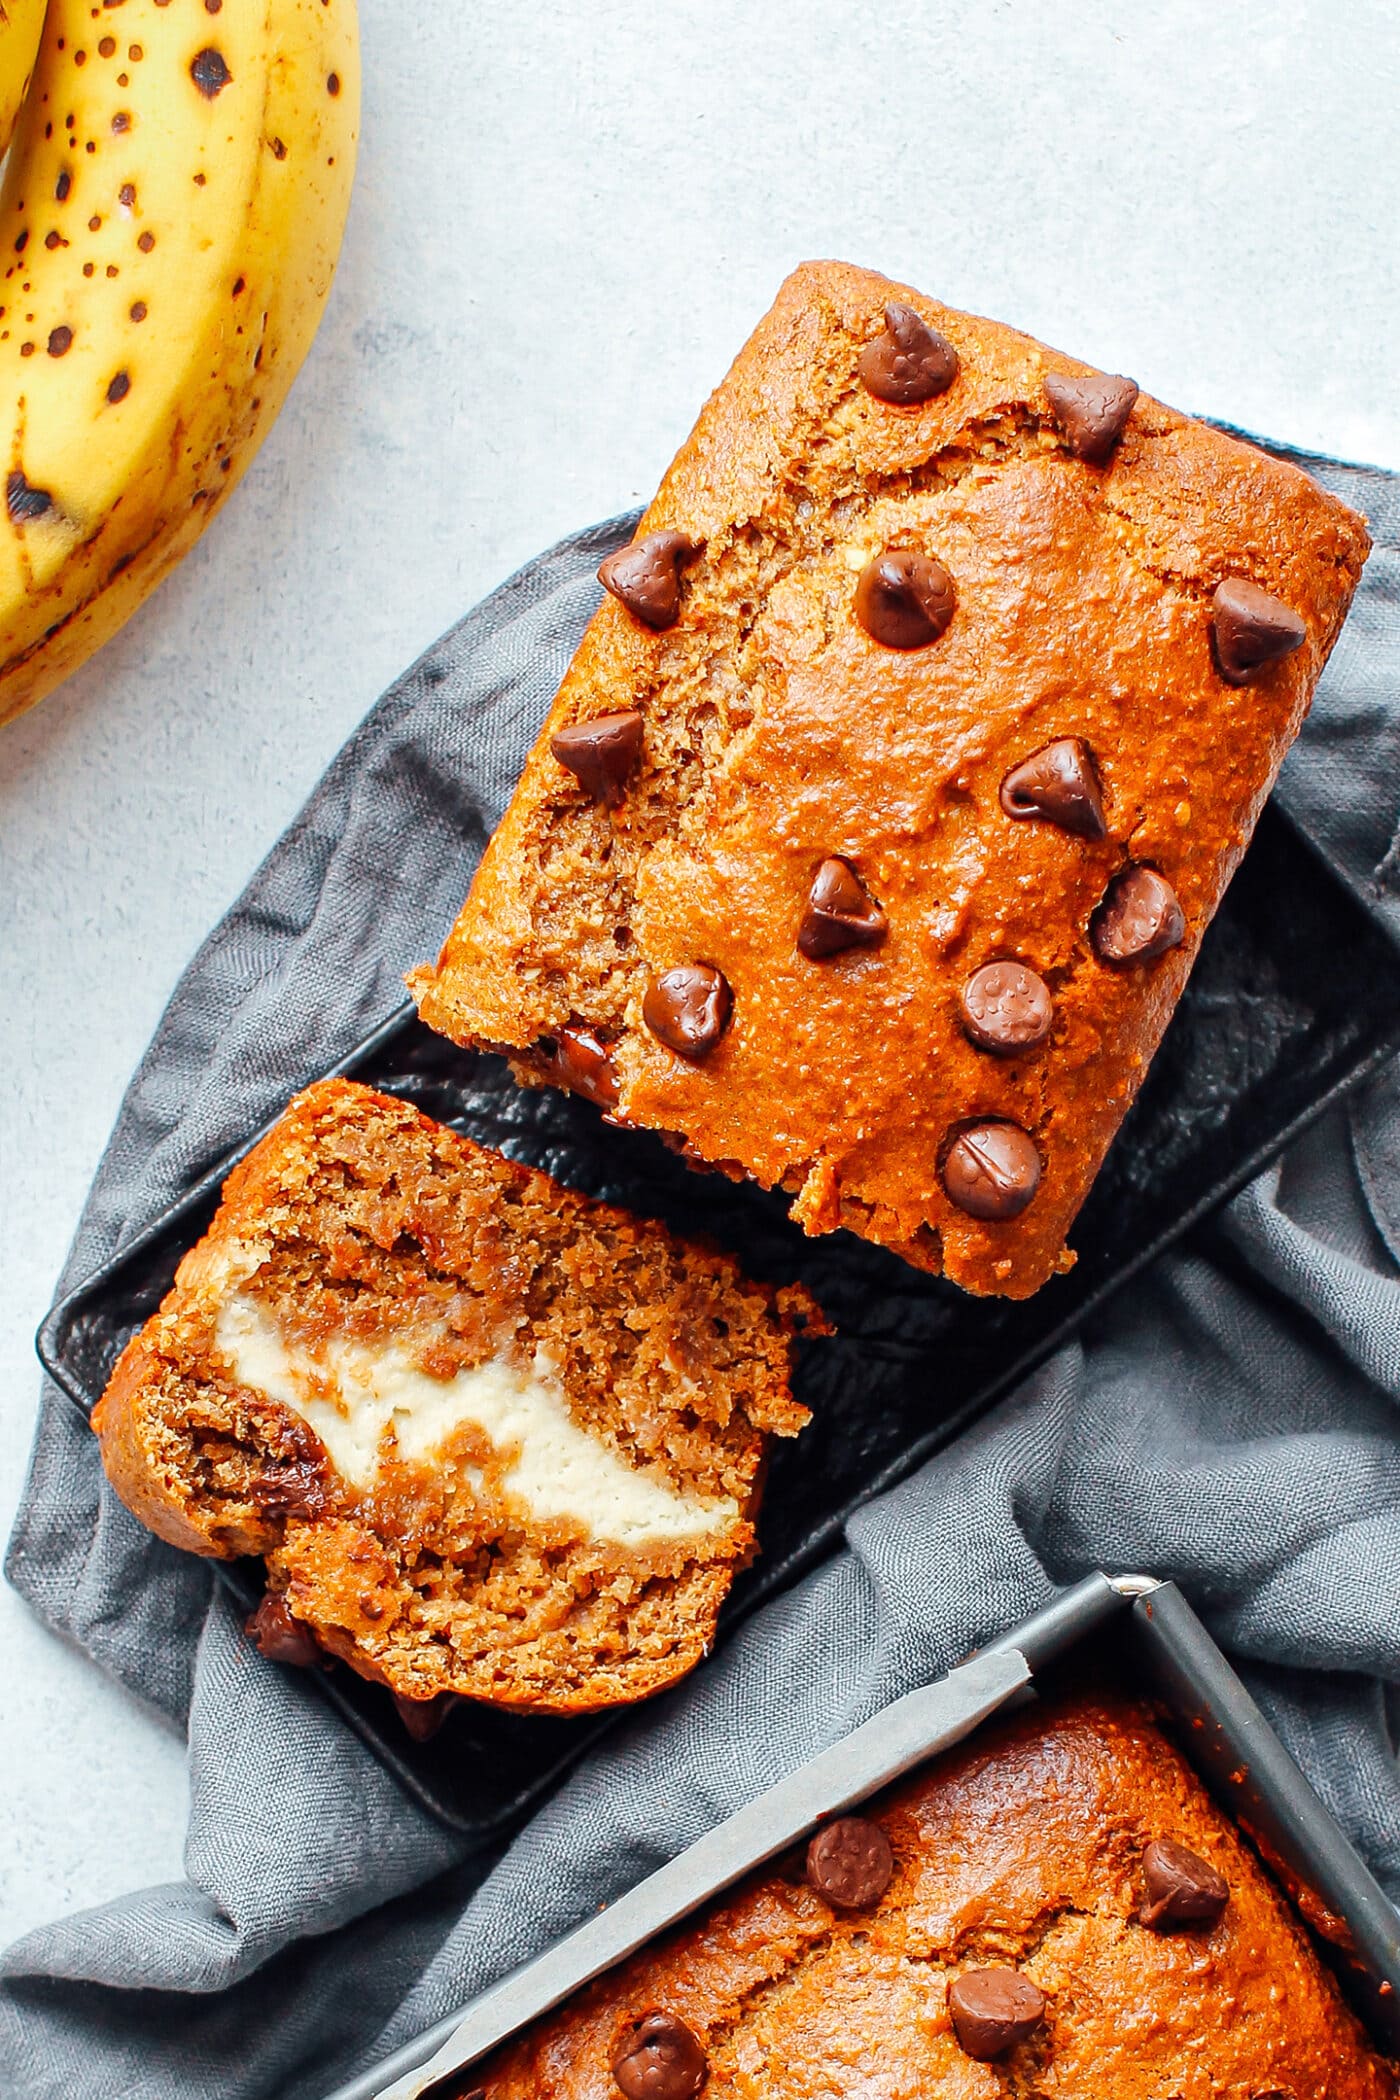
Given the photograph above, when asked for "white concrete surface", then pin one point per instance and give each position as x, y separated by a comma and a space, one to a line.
567, 219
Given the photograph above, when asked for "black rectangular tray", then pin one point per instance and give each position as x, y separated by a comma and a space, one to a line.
1295, 998
1137, 1632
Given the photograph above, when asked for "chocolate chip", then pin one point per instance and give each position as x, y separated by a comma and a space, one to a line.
993, 2011
646, 576
992, 1170
1060, 783
280, 1637
422, 1718
909, 361
580, 1061
24, 502
1253, 629
601, 752
660, 2059
1139, 918
850, 1863
209, 72
1006, 1008
1092, 412
903, 599
688, 1009
841, 913
1182, 1888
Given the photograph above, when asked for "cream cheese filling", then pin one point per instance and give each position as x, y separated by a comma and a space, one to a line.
357, 1394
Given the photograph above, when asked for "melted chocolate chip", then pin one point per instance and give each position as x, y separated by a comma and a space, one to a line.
422, 1718
688, 1009
909, 361
601, 753
903, 599
280, 1637
840, 914
24, 502
646, 577
296, 1488
660, 2059
850, 1863
1252, 630
1092, 413
580, 1061
1059, 783
209, 72
1139, 918
992, 1170
1006, 1008
1181, 1887
993, 2011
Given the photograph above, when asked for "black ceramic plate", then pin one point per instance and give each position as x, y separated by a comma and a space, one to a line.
1295, 997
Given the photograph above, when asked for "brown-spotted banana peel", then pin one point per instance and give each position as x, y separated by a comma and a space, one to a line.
172, 210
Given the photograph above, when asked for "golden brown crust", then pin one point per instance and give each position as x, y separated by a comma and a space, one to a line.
777, 733
359, 1224
1023, 1850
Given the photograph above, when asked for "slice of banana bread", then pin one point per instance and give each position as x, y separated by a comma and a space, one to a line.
491, 1438
1058, 1908
877, 822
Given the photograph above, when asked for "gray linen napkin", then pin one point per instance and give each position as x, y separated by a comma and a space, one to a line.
1229, 1419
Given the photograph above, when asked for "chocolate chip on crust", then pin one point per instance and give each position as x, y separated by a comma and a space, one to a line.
850, 1863
1139, 918
1092, 413
1006, 1007
688, 1009
840, 914
1252, 629
660, 2059
1181, 1887
601, 752
993, 2011
1059, 783
992, 1170
908, 361
904, 600
646, 577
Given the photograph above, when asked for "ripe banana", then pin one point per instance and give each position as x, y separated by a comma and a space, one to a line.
170, 219
20, 23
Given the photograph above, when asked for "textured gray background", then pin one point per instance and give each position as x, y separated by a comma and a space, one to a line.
567, 218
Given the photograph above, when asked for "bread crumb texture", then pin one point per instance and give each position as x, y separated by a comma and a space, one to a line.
806, 697
490, 1437
1024, 1852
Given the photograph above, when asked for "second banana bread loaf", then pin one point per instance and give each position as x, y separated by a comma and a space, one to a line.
1056, 1910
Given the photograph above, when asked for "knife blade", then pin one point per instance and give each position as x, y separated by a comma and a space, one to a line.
882, 1749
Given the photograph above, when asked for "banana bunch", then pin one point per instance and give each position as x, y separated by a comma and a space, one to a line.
171, 213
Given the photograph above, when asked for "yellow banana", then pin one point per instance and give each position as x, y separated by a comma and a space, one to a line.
171, 215
20, 23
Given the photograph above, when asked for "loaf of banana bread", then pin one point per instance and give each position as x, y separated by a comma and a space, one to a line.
1057, 1908
491, 1438
870, 839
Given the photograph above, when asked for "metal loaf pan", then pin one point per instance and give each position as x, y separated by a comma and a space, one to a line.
1295, 997
1130, 1629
